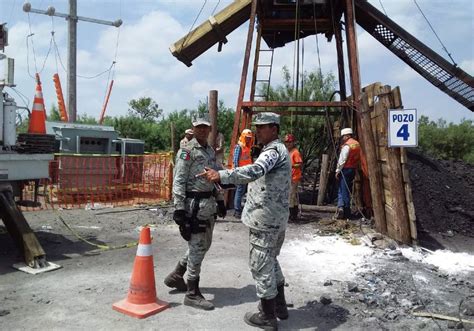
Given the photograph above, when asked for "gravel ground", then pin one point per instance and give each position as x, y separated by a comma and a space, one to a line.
335, 281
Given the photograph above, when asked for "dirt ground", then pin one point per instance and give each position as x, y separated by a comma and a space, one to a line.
443, 194
339, 277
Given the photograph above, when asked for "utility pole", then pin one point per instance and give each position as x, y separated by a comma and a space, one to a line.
72, 19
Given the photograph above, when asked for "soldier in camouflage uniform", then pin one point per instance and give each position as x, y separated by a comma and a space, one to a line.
266, 214
195, 202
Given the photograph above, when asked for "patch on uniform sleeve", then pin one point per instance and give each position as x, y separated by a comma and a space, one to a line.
268, 159
185, 155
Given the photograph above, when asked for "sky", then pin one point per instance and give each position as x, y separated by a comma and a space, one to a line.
145, 67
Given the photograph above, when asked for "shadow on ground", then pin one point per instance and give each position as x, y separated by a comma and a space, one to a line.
315, 315
57, 248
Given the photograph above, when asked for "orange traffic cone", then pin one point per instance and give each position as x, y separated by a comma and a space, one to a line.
38, 116
141, 300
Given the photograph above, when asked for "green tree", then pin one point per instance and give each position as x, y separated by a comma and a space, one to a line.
86, 119
145, 108
447, 141
54, 114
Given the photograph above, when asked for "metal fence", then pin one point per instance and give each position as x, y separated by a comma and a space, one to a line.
79, 180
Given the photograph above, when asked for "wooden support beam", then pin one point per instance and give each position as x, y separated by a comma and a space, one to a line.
299, 112
323, 179
296, 104
306, 25
395, 178
374, 172
324, 209
213, 117
243, 80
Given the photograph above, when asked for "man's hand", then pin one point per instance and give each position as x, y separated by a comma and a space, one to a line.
179, 216
221, 209
338, 174
210, 174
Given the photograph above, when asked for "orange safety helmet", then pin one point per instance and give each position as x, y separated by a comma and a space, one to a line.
246, 134
289, 138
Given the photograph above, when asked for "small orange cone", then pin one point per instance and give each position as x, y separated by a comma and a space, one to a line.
141, 300
38, 116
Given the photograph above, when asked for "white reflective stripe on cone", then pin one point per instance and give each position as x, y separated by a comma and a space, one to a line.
144, 250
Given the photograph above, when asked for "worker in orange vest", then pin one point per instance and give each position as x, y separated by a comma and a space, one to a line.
346, 165
242, 158
296, 174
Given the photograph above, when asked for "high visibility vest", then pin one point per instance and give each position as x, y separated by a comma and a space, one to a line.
295, 157
244, 158
354, 153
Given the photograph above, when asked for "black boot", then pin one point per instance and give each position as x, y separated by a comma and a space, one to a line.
281, 309
340, 213
347, 212
280, 303
194, 298
175, 278
294, 214
264, 319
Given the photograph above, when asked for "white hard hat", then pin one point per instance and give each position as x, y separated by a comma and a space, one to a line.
346, 131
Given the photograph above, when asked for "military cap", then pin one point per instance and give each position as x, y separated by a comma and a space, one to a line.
266, 118
201, 119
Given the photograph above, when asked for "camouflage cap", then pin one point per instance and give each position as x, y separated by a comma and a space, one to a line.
201, 119
266, 118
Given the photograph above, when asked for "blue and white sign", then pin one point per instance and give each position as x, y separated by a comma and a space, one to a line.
402, 128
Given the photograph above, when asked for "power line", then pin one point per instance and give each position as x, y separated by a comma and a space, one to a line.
215, 7
11, 11
383, 8
432, 29
192, 26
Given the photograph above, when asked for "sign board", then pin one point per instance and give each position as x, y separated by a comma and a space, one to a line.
402, 128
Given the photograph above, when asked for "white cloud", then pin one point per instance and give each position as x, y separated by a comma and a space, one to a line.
468, 66
145, 67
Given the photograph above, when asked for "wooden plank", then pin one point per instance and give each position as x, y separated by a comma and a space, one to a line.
323, 179
325, 209
384, 168
393, 229
388, 196
397, 98
395, 181
409, 199
204, 36
382, 152
375, 176
442, 317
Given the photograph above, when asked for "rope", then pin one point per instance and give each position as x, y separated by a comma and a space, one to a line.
317, 39
295, 55
215, 7
383, 8
23, 97
192, 26
432, 29
103, 247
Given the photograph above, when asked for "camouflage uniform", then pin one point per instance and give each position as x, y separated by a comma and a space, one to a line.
265, 212
191, 161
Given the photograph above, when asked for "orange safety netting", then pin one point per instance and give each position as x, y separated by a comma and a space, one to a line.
78, 180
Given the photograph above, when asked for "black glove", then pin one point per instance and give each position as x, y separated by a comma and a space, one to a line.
221, 209
185, 231
179, 216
